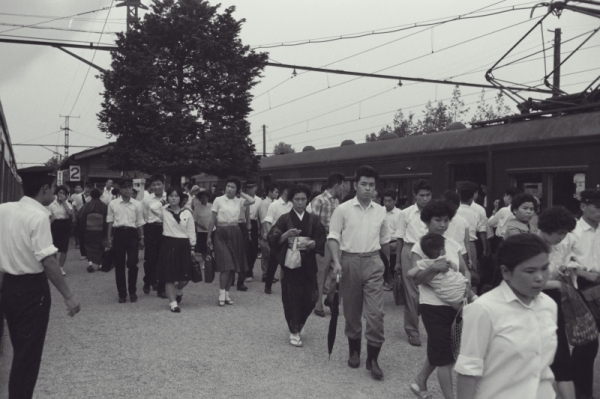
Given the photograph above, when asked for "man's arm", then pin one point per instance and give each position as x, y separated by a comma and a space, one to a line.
334, 248
55, 276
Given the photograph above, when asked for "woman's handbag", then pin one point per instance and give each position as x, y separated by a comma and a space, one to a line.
398, 287
293, 258
580, 325
209, 268
196, 270
108, 262
591, 297
456, 331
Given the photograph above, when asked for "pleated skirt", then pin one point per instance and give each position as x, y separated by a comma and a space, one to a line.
175, 260
230, 254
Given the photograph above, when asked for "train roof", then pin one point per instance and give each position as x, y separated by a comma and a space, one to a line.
573, 126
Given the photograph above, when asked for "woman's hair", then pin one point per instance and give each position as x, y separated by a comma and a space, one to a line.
432, 243
299, 188
437, 208
177, 190
95, 193
236, 181
520, 199
366, 171
556, 218
62, 188
519, 248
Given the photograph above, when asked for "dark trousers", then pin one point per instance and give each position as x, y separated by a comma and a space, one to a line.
252, 251
583, 358
153, 233
271, 269
126, 243
26, 305
81, 232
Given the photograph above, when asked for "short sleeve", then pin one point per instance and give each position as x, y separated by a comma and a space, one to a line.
384, 232
216, 205
110, 216
401, 225
336, 225
140, 215
475, 339
417, 250
270, 213
41, 238
317, 205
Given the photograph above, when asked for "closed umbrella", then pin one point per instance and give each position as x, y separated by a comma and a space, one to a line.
335, 312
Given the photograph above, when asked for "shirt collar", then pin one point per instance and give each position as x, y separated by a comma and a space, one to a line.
356, 203
327, 195
585, 225
281, 201
300, 216
31, 202
510, 296
393, 210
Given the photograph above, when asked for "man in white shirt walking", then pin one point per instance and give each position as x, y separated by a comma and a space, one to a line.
251, 187
153, 232
107, 193
409, 231
392, 213
477, 221
359, 229
272, 194
276, 209
501, 216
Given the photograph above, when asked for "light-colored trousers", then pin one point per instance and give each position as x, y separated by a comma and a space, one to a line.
411, 291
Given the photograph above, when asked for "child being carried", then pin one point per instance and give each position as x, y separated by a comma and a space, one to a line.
450, 287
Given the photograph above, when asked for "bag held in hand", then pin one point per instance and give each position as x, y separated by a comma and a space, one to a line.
591, 297
580, 325
209, 268
293, 259
196, 270
108, 261
398, 287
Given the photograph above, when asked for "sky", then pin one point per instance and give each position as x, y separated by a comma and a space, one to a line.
39, 84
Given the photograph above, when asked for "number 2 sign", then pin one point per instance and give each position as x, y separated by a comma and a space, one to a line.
75, 173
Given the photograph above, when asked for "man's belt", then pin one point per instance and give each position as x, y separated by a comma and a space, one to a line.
360, 254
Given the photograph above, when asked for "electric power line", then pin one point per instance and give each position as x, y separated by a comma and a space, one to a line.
55, 28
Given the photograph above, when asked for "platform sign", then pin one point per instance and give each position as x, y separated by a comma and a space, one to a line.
74, 173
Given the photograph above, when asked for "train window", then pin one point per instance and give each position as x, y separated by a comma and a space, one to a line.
475, 172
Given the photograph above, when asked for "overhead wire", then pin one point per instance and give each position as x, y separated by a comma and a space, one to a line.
57, 17
55, 28
54, 40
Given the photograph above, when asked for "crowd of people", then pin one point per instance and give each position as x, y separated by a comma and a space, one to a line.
507, 275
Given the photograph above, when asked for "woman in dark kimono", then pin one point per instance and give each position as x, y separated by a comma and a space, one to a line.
92, 218
299, 291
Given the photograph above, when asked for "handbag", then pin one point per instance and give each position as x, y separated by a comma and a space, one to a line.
456, 331
196, 270
108, 260
398, 289
209, 268
293, 258
591, 296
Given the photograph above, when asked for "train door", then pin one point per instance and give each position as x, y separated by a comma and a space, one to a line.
475, 172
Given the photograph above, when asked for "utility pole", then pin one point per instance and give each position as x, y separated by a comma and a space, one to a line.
66, 129
264, 141
556, 76
132, 11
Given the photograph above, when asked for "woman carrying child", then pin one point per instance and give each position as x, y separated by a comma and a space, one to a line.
437, 315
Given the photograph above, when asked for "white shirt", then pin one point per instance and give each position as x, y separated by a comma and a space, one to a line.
58, 211
588, 245
276, 209
392, 219
457, 230
427, 295
359, 230
254, 207
228, 210
263, 208
476, 223
509, 345
500, 219
171, 228
410, 227
107, 196
26, 237
147, 203
125, 214
77, 200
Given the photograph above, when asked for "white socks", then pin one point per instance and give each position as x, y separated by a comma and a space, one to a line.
173, 304
227, 296
222, 294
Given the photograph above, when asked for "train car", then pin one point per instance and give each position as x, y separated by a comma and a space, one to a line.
10, 182
552, 157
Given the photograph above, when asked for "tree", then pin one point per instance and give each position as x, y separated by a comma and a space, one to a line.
283, 148
486, 112
435, 118
402, 127
178, 93
457, 109
54, 162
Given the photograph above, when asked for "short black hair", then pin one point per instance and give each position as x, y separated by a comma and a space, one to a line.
176, 189
89, 184
250, 182
236, 181
125, 182
519, 248
437, 208
366, 171
335, 178
520, 199
95, 193
60, 188
299, 188
421, 184
512, 191
590, 196
156, 177
202, 193
282, 186
390, 193
323, 188
116, 192
78, 185
467, 190
271, 187
556, 218
431, 242
452, 198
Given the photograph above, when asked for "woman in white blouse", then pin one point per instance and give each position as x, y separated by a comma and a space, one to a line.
61, 214
509, 334
177, 248
230, 254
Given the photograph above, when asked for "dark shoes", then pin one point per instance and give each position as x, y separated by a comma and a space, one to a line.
90, 269
354, 359
264, 280
122, 299
372, 355
133, 298
178, 298
146, 289
268, 290
414, 340
320, 313
327, 302
162, 295
176, 309
242, 288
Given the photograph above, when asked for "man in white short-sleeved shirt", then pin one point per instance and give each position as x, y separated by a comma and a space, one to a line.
500, 217
153, 233
27, 262
392, 213
253, 231
277, 208
409, 231
359, 229
476, 217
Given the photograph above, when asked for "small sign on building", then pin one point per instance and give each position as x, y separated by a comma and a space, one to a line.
74, 173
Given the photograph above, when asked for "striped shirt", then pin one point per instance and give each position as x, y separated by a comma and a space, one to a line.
323, 206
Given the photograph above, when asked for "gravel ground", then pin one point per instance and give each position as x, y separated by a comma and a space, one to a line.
142, 350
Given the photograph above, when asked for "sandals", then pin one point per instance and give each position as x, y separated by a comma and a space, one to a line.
228, 301
221, 302
414, 388
297, 342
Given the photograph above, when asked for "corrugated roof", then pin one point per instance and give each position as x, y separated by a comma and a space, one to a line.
577, 125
